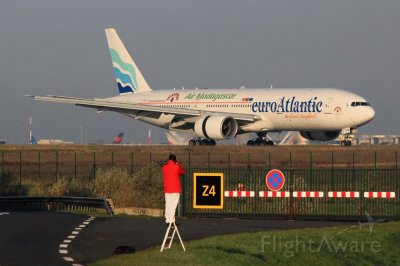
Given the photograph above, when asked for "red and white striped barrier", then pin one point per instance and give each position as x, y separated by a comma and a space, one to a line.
274, 194
343, 194
308, 194
235, 194
380, 195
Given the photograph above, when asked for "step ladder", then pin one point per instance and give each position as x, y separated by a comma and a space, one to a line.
170, 235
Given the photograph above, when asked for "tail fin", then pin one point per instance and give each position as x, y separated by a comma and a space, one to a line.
129, 78
33, 140
118, 139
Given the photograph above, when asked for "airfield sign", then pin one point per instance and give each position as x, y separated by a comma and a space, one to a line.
208, 190
275, 180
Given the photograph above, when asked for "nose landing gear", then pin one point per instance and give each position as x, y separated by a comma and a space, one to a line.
347, 138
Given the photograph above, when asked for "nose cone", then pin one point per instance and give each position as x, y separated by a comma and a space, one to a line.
368, 114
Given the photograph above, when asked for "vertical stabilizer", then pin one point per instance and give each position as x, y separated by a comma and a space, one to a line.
129, 78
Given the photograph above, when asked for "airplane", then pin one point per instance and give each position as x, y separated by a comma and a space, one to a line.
118, 139
217, 114
33, 140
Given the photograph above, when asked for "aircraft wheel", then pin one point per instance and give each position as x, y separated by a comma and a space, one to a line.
191, 142
197, 142
250, 143
270, 143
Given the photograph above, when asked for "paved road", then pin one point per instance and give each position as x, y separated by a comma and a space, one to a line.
104, 235
33, 238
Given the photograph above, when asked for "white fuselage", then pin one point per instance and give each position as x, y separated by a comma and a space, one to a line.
278, 109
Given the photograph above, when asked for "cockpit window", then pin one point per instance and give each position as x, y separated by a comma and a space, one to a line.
360, 104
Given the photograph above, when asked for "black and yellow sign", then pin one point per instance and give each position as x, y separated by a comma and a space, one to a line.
208, 190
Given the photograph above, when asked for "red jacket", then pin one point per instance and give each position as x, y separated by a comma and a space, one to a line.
172, 172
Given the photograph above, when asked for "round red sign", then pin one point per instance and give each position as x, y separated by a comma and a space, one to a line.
275, 180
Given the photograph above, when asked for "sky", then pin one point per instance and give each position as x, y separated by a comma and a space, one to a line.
58, 47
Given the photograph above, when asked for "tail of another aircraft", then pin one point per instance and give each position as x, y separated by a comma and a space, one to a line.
129, 78
118, 139
33, 140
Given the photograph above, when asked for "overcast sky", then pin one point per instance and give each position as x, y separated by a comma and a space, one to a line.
59, 47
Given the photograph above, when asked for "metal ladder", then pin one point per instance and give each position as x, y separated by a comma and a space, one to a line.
170, 235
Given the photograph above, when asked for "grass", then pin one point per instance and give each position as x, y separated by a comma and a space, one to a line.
349, 245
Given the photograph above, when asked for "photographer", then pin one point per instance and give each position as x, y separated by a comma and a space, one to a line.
172, 187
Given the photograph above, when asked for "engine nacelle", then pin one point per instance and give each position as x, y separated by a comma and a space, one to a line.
320, 135
216, 127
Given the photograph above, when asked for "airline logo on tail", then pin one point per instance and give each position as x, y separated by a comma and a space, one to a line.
118, 139
127, 74
33, 140
124, 73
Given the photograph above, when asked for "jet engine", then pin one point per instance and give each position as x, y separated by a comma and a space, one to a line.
320, 135
216, 127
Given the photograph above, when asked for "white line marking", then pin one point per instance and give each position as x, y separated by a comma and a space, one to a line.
64, 247
68, 259
4, 213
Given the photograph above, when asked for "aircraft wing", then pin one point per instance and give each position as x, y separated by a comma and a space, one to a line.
140, 110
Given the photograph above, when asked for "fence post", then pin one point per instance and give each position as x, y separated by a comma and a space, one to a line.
132, 162
189, 162
229, 162
2, 172
75, 163
311, 171
38, 163
209, 161
354, 171
269, 160
20, 172
112, 159
94, 165
56, 166
332, 172
375, 159
248, 160
396, 158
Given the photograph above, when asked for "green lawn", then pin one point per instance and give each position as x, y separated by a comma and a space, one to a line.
349, 245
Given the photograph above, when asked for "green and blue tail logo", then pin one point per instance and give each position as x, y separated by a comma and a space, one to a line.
127, 74
124, 73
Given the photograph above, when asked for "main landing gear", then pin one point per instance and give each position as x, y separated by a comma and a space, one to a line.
261, 140
200, 142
